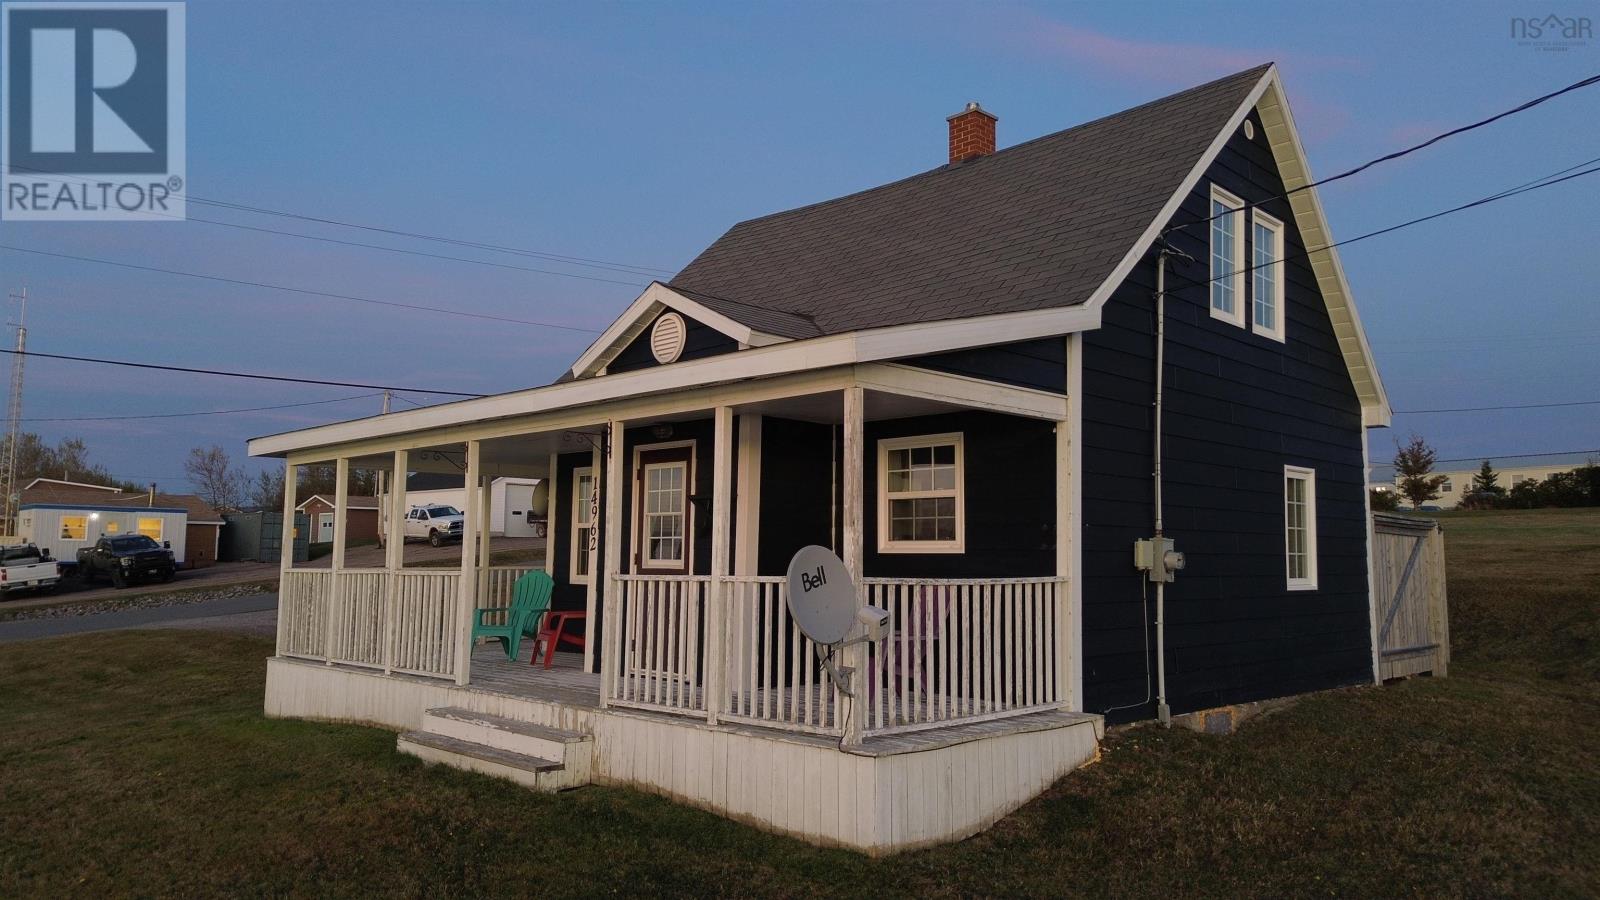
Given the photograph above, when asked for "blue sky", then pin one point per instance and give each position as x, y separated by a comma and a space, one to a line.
637, 133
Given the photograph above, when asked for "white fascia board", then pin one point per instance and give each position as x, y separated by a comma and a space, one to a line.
874, 345
975, 393
639, 314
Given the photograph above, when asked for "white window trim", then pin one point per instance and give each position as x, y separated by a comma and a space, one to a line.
1309, 476
1279, 276
639, 552
885, 545
578, 501
1240, 296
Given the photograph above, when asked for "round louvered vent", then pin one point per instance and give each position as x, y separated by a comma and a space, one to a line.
1249, 130
666, 338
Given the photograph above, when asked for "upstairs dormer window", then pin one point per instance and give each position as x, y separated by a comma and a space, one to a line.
1266, 275
1227, 255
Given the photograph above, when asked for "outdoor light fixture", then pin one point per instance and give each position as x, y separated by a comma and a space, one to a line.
661, 432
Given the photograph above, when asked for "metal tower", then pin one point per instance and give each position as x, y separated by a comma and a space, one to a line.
8, 466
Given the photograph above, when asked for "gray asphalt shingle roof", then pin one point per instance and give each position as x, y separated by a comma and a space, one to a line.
1034, 226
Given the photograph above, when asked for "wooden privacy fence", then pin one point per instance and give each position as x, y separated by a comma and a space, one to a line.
1409, 588
957, 651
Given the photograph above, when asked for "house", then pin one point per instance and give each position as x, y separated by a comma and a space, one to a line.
66, 516
986, 387
516, 505
362, 512
1510, 471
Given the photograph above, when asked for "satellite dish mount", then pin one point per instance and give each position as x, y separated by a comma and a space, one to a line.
825, 606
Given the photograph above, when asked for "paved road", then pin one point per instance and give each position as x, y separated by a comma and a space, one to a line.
183, 615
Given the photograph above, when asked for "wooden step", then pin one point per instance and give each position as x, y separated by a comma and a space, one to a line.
570, 748
529, 771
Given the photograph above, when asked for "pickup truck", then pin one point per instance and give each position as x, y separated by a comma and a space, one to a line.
436, 522
27, 568
131, 557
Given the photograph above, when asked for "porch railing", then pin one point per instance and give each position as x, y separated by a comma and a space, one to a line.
404, 621
961, 650
494, 592
657, 648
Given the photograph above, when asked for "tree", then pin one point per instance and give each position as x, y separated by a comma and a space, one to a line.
213, 473
1384, 501
266, 492
1413, 463
67, 461
1487, 480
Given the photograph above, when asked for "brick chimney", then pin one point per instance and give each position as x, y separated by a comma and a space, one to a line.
971, 133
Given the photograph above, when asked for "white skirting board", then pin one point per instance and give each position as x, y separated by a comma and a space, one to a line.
795, 785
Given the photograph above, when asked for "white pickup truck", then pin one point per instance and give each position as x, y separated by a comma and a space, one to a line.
25, 567
435, 522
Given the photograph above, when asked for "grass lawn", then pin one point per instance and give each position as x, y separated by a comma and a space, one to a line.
139, 763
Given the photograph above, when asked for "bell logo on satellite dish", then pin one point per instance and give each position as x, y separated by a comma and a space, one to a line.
822, 600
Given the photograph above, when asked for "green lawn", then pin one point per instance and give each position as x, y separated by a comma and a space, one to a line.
139, 764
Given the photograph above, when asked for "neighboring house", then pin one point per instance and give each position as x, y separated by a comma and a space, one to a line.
1510, 471
954, 381
515, 504
67, 515
362, 524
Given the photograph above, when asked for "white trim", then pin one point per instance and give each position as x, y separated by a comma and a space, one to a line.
889, 545
1074, 532
1280, 274
572, 525
747, 497
639, 561
965, 390
1372, 576
791, 357
1309, 477
642, 312
1236, 279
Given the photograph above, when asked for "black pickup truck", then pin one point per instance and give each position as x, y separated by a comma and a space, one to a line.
132, 557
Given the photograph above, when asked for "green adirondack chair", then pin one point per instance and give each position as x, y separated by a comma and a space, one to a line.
530, 599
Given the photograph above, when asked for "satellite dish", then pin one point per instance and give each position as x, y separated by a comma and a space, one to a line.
822, 599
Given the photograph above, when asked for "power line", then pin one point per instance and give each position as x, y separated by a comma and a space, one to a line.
294, 290
1502, 456
629, 268
1416, 412
218, 372
1593, 79
213, 412
1526, 187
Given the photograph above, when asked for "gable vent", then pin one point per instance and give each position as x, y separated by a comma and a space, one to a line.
666, 338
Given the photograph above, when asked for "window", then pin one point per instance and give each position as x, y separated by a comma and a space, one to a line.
920, 504
583, 531
1446, 487
1267, 275
1227, 253
1300, 527
112, 526
74, 528
664, 510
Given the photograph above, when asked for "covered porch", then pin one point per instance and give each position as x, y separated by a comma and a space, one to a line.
671, 520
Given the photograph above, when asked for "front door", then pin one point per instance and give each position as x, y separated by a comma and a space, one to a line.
663, 484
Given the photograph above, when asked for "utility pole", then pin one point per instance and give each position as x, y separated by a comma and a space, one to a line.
8, 466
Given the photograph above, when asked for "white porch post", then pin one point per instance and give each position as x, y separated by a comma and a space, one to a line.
854, 485
747, 542
485, 533
1069, 534
610, 590
551, 504
341, 518
467, 586
286, 546
717, 595
591, 592
394, 554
